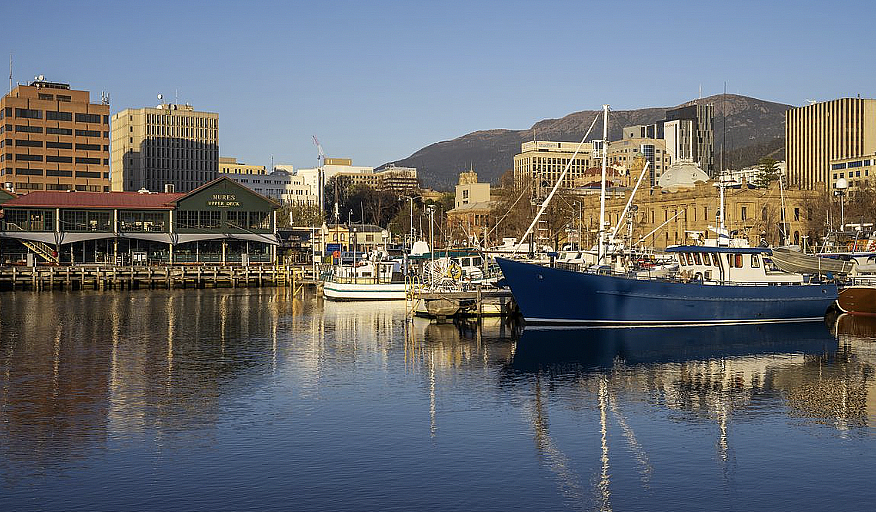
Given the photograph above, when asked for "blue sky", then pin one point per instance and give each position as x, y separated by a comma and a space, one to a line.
376, 81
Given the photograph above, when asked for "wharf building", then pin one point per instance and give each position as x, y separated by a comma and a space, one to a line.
824, 135
221, 222
281, 185
169, 144
53, 138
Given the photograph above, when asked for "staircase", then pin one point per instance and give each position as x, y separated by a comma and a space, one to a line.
41, 249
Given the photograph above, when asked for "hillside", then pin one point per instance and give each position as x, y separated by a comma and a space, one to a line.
755, 128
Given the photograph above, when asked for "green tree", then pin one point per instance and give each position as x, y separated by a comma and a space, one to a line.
299, 215
767, 172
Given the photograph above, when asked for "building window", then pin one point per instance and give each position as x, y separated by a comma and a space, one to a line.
28, 113
28, 129
87, 118
743, 213
59, 145
58, 116
87, 133
59, 131
28, 158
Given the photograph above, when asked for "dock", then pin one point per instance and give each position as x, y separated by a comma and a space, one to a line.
475, 303
111, 277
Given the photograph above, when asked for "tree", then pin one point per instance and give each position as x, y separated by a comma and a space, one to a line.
299, 215
767, 172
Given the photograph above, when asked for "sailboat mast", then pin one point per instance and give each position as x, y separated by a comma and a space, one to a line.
602, 241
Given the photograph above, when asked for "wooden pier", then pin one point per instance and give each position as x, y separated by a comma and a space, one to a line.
98, 277
475, 303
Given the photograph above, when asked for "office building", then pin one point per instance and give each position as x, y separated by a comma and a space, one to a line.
53, 138
689, 135
166, 145
540, 164
283, 184
831, 131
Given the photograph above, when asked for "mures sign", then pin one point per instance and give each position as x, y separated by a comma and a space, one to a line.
223, 201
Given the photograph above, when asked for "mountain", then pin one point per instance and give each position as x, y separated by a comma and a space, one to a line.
755, 128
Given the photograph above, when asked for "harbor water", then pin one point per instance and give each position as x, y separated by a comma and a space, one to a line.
250, 399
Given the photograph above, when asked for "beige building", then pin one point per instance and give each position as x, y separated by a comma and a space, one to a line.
825, 132
623, 153
859, 172
398, 179
165, 145
230, 165
53, 138
469, 218
540, 164
751, 212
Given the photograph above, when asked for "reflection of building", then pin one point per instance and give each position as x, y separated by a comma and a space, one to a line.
825, 132
54, 138
165, 145
219, 222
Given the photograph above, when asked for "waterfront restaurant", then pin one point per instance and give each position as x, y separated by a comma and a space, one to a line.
220, 222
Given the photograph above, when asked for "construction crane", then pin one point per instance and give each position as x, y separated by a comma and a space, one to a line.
320, 157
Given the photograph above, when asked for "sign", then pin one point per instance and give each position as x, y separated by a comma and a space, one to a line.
223, 200
332, 247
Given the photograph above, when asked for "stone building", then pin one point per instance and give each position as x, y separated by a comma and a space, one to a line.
670, 218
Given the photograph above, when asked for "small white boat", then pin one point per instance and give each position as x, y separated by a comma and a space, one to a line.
366, 280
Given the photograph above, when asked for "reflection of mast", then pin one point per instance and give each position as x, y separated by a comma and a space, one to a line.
556, 461
433, 427
604, 493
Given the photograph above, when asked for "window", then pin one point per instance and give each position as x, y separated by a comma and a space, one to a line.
28, 158
30, 220
29, 172
88, 147
64, 174
755, 261
44, 96
28, 129
62, 97
83, 220
59, 145
59, 131
60, 159
28, 113
743, 213
87, 174
209, 219
87, 133
796, 213
87, 118
28, 186
29, 143
58, 116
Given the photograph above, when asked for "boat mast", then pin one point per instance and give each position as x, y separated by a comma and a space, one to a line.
601, 251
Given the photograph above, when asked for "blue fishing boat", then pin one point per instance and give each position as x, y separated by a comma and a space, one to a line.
714, 285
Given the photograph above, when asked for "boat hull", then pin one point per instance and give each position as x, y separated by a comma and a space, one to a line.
361, 291
858, 300
556, 296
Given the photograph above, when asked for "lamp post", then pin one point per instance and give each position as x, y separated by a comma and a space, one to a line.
841, 186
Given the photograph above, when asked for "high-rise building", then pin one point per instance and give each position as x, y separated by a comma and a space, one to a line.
823, 132
689, 135
165, 145
540, 164
53, 138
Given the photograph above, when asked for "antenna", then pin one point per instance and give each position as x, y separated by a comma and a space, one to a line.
10, 72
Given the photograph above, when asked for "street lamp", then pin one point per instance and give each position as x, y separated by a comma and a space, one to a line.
841, 186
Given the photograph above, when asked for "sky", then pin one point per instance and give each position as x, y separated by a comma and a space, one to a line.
377, 80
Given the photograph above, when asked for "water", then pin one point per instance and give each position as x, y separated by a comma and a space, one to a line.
251, 400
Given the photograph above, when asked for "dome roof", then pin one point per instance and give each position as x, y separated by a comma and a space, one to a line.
682, 174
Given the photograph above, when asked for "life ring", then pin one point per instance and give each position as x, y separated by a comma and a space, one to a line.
454, 270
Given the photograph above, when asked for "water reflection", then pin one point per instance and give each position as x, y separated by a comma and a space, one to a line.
322, 392
716, 375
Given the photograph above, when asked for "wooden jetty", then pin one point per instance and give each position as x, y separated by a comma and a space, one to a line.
475, 303
100, 277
